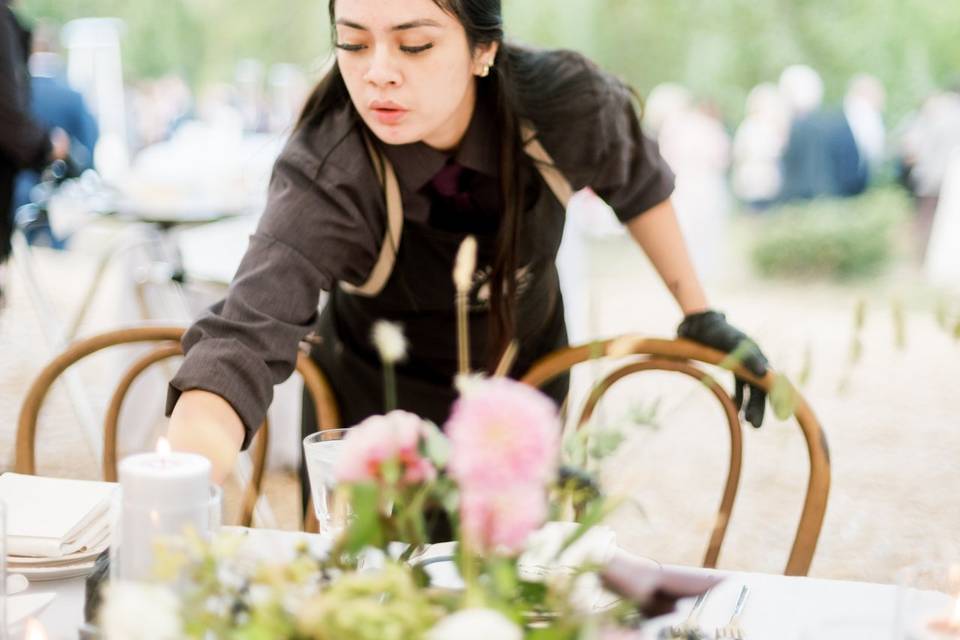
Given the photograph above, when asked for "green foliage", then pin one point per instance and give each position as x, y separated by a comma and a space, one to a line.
836, 238
719, 48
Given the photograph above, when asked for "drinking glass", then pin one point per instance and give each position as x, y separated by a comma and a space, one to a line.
321, 451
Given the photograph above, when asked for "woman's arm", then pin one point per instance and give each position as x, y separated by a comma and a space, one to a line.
658, 234
205, 423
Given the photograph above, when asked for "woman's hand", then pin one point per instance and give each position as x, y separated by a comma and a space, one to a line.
710, 328
204, 423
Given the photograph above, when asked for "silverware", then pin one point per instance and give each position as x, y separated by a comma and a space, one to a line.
689, 627
733, 630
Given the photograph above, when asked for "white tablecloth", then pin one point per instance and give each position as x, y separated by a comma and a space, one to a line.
779, 607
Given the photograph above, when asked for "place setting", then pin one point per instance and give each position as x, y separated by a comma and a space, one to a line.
55, 528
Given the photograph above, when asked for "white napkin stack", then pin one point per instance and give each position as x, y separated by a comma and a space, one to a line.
53, 518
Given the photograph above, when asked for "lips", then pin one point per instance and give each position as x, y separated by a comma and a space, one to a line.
388, 112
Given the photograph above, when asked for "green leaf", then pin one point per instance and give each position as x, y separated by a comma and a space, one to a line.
899, 325
806, 370
605, 442
435, 446
364, 528
783, 397
860, 315
503, 572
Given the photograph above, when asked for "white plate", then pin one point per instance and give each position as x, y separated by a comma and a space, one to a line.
26, 605
19, 562
43, 574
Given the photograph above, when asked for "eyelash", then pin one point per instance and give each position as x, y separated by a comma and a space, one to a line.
360, 47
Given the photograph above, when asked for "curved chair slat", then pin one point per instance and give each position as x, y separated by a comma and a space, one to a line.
686, 351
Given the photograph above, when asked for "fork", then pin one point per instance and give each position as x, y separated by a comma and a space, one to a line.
688, 626
733, 630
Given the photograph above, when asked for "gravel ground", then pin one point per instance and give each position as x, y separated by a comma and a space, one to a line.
891, 418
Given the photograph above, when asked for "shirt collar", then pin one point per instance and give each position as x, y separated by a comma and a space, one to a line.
417, 163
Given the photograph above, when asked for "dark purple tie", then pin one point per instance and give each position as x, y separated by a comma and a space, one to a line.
448, 185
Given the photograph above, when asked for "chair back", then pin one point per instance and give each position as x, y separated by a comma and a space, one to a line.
167, 341
686, 357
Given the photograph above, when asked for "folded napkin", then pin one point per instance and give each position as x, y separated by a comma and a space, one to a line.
16, 583
54, 517
542, 556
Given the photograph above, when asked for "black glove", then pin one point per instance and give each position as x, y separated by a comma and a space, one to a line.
710, 328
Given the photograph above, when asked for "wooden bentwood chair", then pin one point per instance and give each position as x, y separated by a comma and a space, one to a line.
168, 346
683, 356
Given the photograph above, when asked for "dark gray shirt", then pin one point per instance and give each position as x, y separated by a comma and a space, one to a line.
325, 221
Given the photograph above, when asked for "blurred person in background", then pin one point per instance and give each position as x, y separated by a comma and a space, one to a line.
821, 157
863, 106
54, 104
696, 146
288, 90
758, 147
251, 100
24, 143
429, 92
928, 140
160, 107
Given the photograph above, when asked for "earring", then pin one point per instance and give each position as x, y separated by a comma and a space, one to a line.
485, 71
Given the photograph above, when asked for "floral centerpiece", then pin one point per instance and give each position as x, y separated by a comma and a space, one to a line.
492, 478
493, 473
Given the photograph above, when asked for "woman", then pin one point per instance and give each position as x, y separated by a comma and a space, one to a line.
428, 128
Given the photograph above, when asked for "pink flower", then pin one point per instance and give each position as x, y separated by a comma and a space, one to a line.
378, 440
503, 433
496, 521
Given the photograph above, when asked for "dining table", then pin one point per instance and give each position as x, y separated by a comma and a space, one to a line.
779, 607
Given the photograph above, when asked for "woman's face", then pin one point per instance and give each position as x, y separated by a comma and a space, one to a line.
409, 69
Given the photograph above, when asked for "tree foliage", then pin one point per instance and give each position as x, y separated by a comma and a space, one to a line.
718, 48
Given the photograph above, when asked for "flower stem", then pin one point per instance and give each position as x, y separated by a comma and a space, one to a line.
389, 387
463, 335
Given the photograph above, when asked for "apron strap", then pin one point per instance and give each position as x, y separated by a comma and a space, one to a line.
391, 240
554, 178
382, 269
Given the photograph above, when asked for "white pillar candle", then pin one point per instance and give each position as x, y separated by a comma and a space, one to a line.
163, 494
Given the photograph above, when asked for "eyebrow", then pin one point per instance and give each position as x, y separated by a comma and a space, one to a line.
413, 24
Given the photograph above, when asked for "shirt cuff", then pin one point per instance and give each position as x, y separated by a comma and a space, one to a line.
222, 366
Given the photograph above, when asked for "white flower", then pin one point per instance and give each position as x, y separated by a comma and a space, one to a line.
390, 342
475, 624
467, 383
135, 611
465, 265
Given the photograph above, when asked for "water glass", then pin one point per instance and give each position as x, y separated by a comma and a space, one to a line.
321, 451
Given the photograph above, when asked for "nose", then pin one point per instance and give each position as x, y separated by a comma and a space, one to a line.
383, 70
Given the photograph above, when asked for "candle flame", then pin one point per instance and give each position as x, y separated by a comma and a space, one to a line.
163, 446
35, 630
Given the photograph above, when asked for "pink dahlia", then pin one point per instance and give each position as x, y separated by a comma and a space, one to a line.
380, 440
503, 433
496, 521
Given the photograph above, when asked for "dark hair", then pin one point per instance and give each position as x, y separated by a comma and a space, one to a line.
530, 86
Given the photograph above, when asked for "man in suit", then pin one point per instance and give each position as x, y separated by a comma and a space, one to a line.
23, 142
